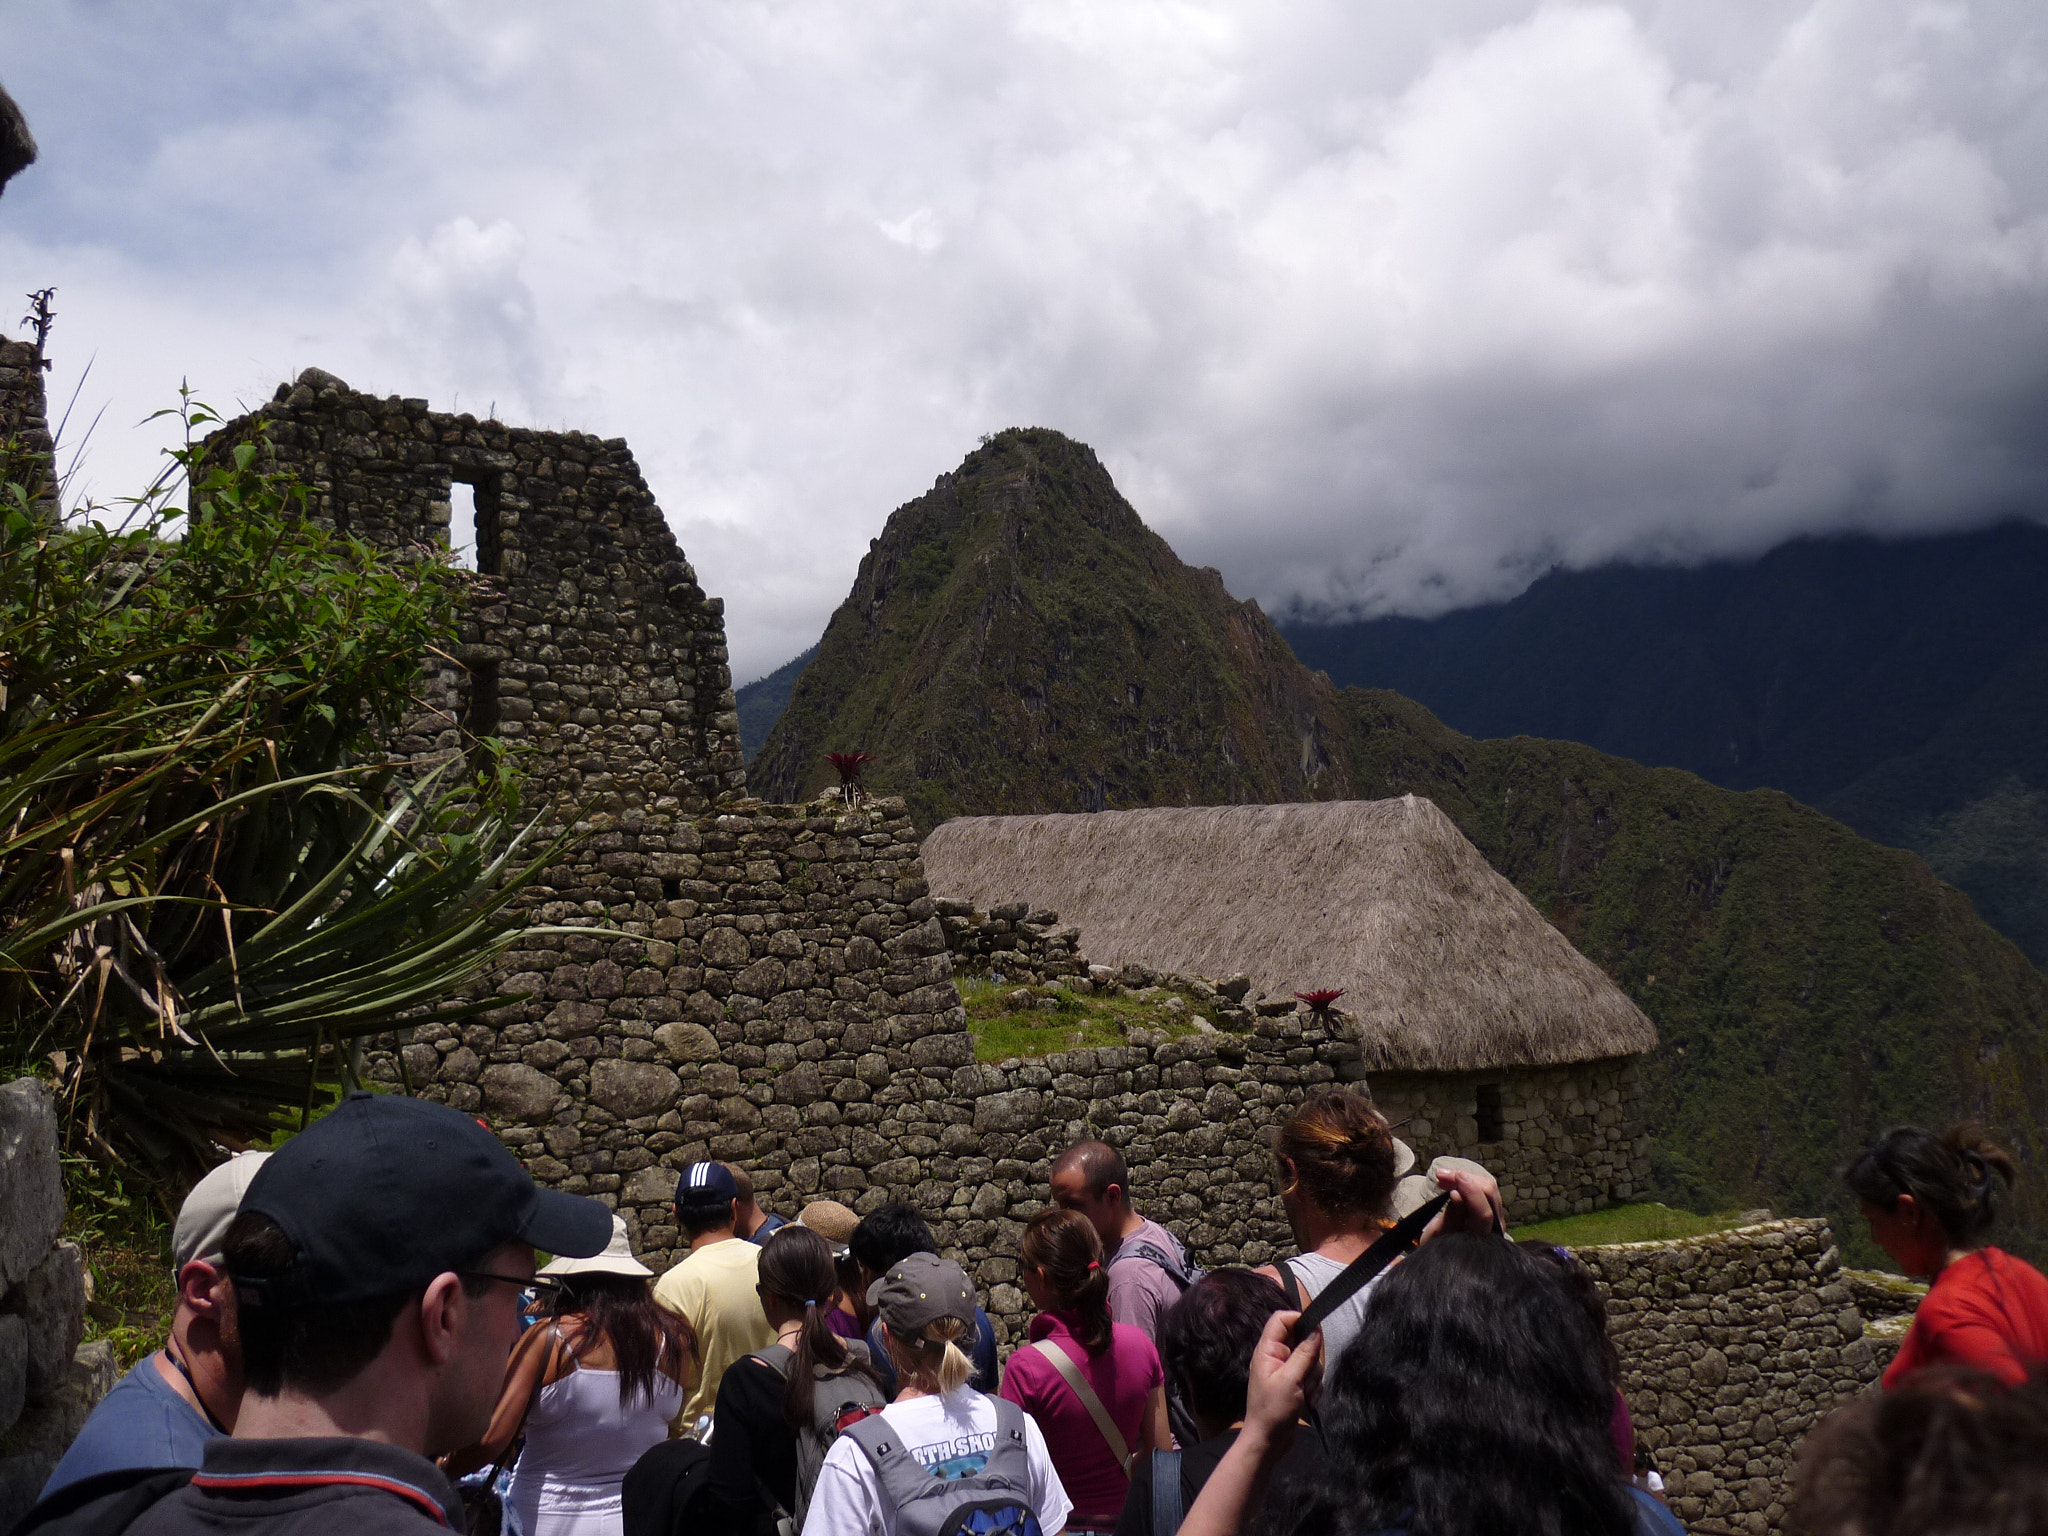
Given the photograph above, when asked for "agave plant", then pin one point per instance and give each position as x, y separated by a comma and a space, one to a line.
1321, 999
213, 883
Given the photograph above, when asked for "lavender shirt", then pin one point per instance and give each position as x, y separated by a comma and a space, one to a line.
1139, 1290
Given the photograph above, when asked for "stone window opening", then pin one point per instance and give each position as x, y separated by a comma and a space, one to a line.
1488, 1112
480, 705
472, 534
672, 890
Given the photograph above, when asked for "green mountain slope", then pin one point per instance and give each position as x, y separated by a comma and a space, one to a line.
1900, 685
1017, 640
761, 702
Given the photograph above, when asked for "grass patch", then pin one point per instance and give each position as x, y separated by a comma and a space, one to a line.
126, 1240
1004, 1024
1645, 1223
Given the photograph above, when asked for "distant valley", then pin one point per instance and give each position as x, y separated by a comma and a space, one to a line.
1900, 686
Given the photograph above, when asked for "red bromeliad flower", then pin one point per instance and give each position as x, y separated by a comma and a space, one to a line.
849, 766
1321, 998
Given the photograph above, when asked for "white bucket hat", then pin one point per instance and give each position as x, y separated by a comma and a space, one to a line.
617, 1258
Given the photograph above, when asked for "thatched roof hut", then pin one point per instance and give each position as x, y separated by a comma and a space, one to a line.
1444, 964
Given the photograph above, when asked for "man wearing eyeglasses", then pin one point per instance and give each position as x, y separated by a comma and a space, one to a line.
381, 1263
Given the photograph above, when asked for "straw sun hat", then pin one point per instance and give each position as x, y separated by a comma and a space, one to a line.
617, 1258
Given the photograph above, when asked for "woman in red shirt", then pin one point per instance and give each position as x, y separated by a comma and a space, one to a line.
1931, 1202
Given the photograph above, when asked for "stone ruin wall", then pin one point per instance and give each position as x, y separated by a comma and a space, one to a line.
1733, 1346
586, 641
48, 1382
26, 445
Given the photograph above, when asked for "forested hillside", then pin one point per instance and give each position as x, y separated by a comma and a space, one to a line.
1900, 686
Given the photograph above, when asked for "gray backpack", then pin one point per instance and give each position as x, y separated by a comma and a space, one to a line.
996, 1501
836, 1400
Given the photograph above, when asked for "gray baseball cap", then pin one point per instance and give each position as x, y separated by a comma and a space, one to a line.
919, 1291
204, 1218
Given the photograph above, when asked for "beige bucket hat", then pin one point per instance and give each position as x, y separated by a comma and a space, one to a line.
617, 1258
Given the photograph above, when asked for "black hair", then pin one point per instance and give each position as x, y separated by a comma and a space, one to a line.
310, 1349
1584, 1290
1206, 1339
1956, 1175
622, 1310
889, 1235
695, 1220
1101, 1166
1065, 1247
1471, 1401
797, 1267
1951, 1452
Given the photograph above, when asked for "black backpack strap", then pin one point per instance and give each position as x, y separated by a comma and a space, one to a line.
1291, 1286
104, 1504
1167, 1513
1361, 1271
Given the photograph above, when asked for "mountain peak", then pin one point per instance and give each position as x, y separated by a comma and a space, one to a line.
1017, 638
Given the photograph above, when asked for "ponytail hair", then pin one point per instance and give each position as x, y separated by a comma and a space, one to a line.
1065, 1248
1959, 1175
933, 1359
797, 1267
1343, 1154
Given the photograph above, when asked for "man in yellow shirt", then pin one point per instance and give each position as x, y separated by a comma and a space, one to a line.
714, 1285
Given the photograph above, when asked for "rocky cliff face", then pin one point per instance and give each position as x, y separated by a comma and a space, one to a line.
1017, 640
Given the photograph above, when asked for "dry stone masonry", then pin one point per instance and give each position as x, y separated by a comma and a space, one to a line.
587, 637
48, 1383
1561, 1140
1733, 1346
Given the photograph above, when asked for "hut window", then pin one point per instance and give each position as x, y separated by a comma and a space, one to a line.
1489, 1112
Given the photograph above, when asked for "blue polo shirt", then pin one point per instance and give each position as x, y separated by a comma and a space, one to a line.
142, 1422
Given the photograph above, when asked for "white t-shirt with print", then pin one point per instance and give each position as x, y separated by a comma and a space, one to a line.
951, 1436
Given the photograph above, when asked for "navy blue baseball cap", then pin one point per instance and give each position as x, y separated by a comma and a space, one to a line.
387, 1192
706, 1186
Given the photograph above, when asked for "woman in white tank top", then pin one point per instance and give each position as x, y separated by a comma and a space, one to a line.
604, 1379
1339, 1164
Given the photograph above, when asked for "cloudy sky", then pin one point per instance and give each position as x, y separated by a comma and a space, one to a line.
1380, 306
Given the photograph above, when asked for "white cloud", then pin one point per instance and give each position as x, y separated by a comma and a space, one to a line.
1385, 306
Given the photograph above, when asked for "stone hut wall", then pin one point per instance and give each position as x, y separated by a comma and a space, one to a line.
48, 1383
1561, 1140
1733, 1346
586, 637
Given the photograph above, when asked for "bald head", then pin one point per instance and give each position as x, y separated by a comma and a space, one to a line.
1091, 1178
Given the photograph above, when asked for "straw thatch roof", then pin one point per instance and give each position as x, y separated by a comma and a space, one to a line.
1445, 966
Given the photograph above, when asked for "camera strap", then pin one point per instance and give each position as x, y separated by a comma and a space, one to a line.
1361, 1271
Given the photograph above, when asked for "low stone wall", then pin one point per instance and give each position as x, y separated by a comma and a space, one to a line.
1733, 1346
1015, 942
1561, 1140
48, 1384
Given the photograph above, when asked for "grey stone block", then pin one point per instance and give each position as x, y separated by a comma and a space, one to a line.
53, 1306
31, 1192
13, 1370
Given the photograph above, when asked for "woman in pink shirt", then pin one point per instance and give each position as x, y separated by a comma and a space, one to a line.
1095, 1387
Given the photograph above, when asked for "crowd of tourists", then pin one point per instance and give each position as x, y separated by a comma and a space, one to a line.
362, 1343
